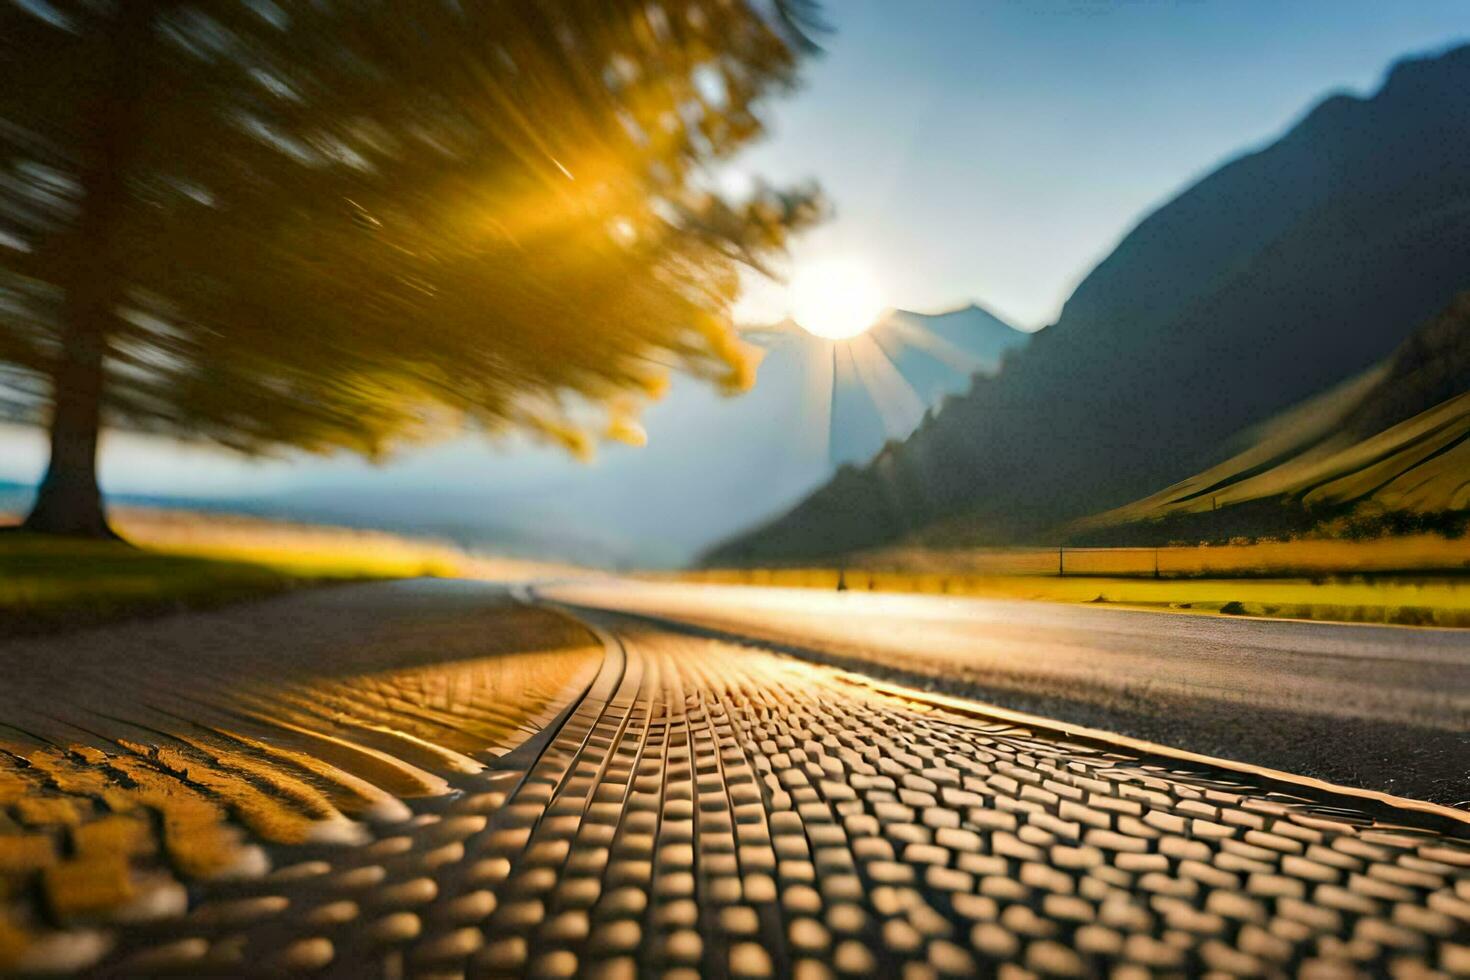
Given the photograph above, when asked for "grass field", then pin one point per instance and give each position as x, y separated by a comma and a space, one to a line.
47, 582
296, 549
1417, 554
1396, 599
179, 559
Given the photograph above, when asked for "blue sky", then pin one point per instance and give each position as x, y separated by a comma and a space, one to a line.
996, 149
988, 150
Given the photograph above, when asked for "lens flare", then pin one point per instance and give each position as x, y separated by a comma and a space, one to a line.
835, 298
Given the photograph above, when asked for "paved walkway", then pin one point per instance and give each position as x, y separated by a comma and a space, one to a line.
710, 809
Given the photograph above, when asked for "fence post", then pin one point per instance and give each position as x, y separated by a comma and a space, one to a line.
1156, 563
1061, 560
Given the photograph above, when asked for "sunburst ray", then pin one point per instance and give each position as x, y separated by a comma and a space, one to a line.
899, 405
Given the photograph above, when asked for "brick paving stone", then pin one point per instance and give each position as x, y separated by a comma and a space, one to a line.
728, 811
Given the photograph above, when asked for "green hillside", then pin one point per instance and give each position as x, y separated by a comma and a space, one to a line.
1394, 440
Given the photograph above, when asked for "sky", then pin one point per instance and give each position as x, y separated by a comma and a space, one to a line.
994, 150
973, 150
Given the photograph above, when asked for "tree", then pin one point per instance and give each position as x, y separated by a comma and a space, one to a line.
349, 225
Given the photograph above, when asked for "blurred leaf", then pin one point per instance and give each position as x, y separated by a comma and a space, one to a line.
346, 226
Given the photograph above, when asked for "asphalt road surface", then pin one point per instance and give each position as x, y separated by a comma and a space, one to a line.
667, 804
1379, 707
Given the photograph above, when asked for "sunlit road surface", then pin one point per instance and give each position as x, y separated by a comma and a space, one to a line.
706, 807
1384, 707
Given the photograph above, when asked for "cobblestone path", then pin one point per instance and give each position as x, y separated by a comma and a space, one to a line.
708, 809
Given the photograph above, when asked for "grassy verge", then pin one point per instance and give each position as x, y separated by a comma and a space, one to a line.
1401, 600
180, 560
295, 550
47, 584
186, 560
1418, 554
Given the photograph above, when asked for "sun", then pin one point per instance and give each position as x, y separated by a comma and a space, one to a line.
835, 298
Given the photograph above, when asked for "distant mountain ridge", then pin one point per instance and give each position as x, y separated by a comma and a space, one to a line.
934, 356
677, 495
1268, 281
712, 465
966, 341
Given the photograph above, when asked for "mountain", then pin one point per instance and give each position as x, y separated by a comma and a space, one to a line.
1392, 441
902, 367
938, 351
1267, 282
712, 464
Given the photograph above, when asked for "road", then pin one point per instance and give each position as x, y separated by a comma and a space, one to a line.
689, 806
1381, 707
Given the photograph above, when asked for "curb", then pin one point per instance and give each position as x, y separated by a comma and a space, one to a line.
1451, 821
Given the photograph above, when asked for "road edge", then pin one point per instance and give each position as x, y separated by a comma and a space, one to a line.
1457, 822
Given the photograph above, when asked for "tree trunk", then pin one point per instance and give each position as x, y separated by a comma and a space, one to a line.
69, 500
